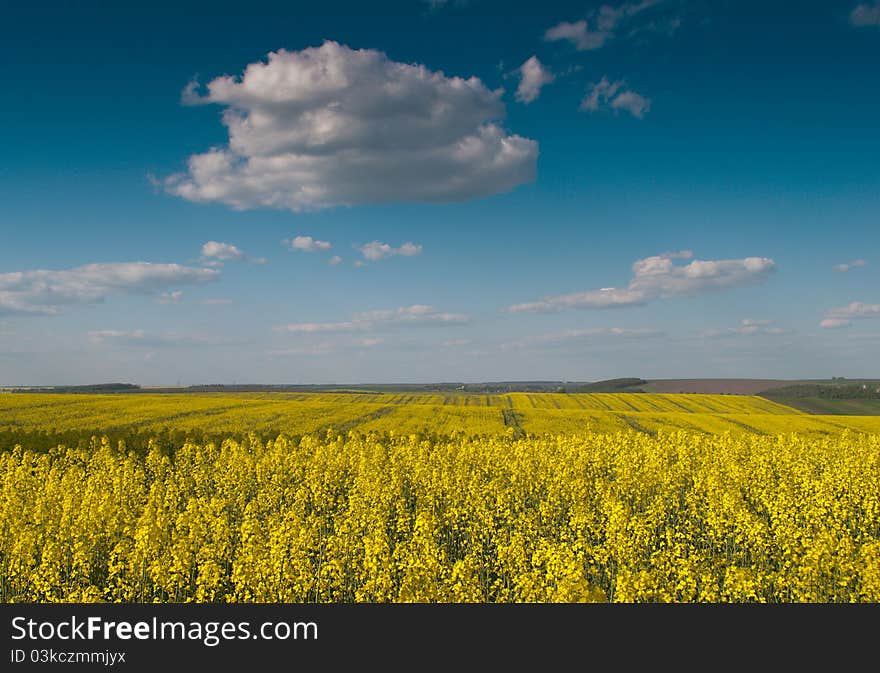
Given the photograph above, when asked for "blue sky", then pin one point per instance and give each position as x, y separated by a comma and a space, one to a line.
572, 191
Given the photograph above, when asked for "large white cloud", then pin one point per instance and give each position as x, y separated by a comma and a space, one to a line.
658, 277
332, 125
45, 292
415, 315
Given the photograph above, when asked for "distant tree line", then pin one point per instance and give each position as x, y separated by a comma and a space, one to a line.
630, 385
852, 391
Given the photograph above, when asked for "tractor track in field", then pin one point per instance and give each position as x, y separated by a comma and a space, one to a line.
638, 427
513, 420
366, 418
744, 426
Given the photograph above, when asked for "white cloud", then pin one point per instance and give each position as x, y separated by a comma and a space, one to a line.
376, 250
667, 25
533, 76
866, 14
189, 96
634, 103
579, 34
214, 253
747, 327
599, 27
843, 316
434, 5
322, 348
659, 278
599, 93
221, 251
46, 292
142, 338
843, 268
169, 297
307, 244
336, 259
370, 342
321, 327
415, 315
331, 125
574, 335
835, 323
607, 95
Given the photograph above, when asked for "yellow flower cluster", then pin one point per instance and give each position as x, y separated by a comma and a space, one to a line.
384, 516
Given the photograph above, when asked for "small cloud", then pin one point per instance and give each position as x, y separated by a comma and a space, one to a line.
435, 5
313, 350
335, 260
866, 14
659, 277
747, 327
607, 95
599, 27
321, 327
849, 266
634, 103
215, 253
376, 250
843, 316
307, 244
533, 76
370, 342
574, 335
667, 26
415, 315
142, 338
578, 34
190, 94
456, 343
835, 323
221, 251
169, 297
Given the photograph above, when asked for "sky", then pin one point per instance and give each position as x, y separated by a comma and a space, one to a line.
412, 191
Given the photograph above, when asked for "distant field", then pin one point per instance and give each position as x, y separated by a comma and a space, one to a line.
518, 413
823, 405
714, 386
